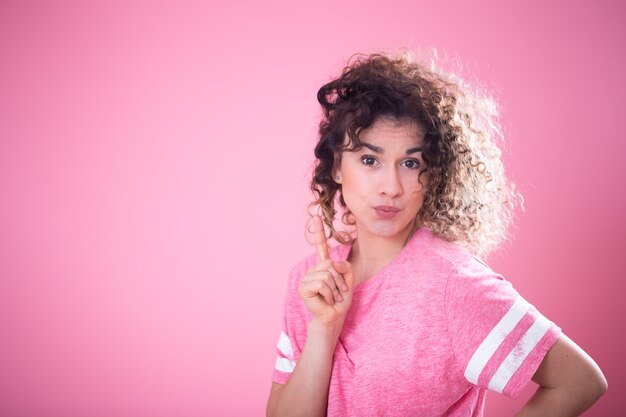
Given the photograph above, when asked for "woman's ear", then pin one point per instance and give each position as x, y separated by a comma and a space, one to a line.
336, 170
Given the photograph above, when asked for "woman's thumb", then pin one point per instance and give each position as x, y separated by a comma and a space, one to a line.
345, 269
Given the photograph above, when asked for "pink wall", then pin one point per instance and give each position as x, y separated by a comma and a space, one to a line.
153, 179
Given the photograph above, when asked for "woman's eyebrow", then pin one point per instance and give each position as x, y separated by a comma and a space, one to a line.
414, 150
373, 148
380, 150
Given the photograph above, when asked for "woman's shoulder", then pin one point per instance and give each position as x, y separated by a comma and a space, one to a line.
437, 248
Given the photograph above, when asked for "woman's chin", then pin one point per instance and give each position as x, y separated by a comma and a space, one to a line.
389, 231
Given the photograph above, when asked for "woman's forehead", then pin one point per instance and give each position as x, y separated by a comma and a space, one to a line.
388, 132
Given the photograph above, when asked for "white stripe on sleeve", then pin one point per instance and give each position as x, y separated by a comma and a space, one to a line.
285, 364
515, 358
284, 345
494, 339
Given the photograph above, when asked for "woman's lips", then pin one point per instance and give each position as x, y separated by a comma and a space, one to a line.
386, 212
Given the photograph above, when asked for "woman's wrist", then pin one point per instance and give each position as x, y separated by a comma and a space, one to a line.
326, 331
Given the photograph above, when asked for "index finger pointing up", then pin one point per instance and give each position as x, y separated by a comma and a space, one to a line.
319, 236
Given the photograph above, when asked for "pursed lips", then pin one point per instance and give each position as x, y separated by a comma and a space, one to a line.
386, 212
387, 208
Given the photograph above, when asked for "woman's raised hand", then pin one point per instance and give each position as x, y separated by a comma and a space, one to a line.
327, 288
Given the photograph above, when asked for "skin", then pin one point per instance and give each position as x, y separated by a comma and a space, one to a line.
384, 174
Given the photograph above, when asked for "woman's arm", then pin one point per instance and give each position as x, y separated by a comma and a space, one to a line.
306, 392
569, 382
326, 291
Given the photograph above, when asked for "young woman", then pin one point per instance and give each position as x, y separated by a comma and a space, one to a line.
403, 318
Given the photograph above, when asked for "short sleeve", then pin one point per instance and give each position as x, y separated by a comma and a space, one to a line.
498, 338
293, 330
285, 359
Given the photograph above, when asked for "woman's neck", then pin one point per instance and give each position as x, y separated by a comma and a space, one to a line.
370, 253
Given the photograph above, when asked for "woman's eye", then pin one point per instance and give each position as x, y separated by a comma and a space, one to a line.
412, 163
368, 160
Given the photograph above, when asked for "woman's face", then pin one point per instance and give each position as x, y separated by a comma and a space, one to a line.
380, 181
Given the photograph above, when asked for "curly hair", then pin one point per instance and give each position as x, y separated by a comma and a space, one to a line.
468, 199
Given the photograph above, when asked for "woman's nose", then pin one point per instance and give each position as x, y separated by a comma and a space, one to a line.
390, 184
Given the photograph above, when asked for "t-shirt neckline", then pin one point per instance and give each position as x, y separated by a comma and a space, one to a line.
362, 286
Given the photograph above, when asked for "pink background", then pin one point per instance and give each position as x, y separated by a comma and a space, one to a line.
154, 161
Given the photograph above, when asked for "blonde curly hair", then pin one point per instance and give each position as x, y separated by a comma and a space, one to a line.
468, 199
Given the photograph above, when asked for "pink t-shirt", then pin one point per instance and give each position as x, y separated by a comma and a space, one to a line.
427, 336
